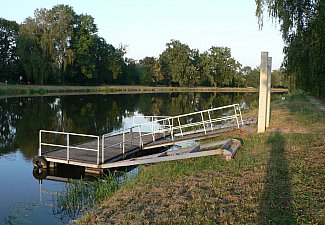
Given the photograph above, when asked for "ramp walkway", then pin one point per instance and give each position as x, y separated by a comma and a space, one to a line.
93, 151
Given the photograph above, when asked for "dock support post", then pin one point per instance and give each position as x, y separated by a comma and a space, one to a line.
262, 104
269, 75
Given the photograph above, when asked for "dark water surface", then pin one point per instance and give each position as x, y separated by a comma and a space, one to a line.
25, 200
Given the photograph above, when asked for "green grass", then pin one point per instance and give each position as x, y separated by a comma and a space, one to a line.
276, 178
299, 105
42, 91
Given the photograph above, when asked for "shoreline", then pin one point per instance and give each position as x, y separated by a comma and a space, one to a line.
8, 90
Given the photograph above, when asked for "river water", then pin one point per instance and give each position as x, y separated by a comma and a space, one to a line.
26, 200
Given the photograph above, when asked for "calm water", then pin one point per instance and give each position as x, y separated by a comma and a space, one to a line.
22, 199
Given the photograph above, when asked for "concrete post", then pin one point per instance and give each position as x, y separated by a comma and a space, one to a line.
268, 104
262, 103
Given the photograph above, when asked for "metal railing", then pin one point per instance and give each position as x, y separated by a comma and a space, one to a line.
206, 119
233, 113
149, 118
134, 136
172, 125
68, 146
201, 121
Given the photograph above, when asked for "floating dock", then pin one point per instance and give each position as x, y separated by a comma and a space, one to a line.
115, 149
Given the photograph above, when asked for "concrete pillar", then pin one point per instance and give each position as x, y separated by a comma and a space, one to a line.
268, 104
262, 103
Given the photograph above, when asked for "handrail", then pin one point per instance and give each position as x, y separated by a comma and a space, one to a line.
203, 111
151, 118
68, 145
131, 140
235, 107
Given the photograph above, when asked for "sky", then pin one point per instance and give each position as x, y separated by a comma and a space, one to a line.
145, 26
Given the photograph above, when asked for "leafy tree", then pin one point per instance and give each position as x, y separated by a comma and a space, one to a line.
252, 77
108, 61
83, 43
177, 64
60, 46
131, 72
147, 70
278, 79
10, 67
158, 77
150, 71
36, 62
303, 30
219, 68
44, 44
61, 32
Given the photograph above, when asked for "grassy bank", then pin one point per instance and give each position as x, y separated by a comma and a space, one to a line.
22, 90
276, 178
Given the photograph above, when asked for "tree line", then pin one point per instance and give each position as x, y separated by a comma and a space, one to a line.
303, 30
59, 46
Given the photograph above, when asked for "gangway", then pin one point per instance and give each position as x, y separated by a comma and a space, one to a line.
93, 151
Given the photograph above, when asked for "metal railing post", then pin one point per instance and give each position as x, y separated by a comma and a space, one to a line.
123, 144
40, 143
205, 132
68, 146
132, 137
210, 120
179, 124
152, 130
140, 138
98, 150
236, 116
171, 127
103, 143
241, 118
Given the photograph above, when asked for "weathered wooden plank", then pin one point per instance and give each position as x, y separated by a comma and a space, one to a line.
227, 144
72, 162
160, 159
232, 150
190, 149
212, 144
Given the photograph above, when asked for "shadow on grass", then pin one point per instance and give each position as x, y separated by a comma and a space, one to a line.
275, 206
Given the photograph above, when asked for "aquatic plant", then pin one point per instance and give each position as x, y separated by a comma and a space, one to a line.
81, 195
